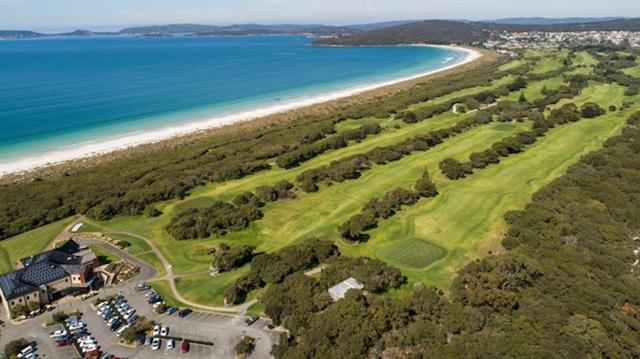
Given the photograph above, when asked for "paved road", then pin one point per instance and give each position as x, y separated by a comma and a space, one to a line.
171, 278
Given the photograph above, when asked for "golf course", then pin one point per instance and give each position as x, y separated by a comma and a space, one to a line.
428, 241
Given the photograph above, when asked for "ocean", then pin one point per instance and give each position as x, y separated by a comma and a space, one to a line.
59, 93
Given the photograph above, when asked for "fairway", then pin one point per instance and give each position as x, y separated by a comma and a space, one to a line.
413, 253
29, 243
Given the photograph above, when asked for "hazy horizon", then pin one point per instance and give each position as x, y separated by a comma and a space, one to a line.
104, 15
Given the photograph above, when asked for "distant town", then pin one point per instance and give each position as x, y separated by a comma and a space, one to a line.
524, 40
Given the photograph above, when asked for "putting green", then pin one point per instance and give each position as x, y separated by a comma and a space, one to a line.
411, 252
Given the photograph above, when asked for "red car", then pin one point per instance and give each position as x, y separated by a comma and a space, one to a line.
63, 343
93, 353
184, 346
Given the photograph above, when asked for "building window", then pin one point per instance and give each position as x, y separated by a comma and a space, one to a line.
66, 280
19, 300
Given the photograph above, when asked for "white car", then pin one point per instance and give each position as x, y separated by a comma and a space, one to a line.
171, 344
76, 326
164, 331
122, 329
58, 333
155, 345
156, 330
89, 348
26, 351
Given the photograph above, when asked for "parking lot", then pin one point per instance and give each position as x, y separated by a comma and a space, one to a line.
224, 331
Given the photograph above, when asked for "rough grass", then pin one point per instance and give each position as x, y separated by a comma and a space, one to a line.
29, 243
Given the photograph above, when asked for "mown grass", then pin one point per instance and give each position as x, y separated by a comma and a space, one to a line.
137, 245
411, 253
162, 288
533, 91
633, 71
103, 255
29, 243
466, 218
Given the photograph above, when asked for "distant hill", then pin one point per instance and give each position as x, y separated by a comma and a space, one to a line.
19, 34
380, 25
550, 21
242, 29
460, 32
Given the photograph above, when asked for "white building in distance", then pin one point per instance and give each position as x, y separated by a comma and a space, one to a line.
339, 290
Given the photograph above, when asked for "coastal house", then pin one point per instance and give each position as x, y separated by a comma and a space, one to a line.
48, 276
339, 290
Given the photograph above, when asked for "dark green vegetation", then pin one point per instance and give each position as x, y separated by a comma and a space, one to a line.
448, 32
272, 268
565, 288
233, 257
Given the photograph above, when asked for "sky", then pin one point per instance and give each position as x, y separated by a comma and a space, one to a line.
105, 15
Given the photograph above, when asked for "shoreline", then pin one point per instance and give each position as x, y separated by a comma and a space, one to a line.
85, 151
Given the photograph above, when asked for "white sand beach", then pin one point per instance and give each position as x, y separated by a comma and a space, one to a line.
107, 145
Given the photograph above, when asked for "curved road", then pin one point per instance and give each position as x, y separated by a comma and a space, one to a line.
171, 278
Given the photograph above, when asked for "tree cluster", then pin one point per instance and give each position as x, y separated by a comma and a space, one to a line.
221, 217
233, 257
270, 268
385, 207
340, 140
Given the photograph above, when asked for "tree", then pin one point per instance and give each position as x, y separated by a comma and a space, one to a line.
426, 188
152, 211
522, 98
591, 110
452, 168
245, 346
14, 347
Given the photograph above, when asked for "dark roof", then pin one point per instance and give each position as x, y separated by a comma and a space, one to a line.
41, 269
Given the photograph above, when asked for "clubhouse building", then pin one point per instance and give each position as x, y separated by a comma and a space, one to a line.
48, 276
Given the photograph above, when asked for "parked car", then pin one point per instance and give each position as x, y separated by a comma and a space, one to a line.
155, 345
63, 343
164, 331
140, 338
147, 341
25, 351
76, 326
252, 319
156, 330
171, 310
59, 333
142, 287
184, 312
122, 329
184, 346
115, 325
170, 344
133, 319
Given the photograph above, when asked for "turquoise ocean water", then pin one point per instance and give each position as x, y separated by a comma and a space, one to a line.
62, 92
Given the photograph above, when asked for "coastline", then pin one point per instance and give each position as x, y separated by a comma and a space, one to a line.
84, 152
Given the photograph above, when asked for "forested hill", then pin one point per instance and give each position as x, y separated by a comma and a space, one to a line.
448, 32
